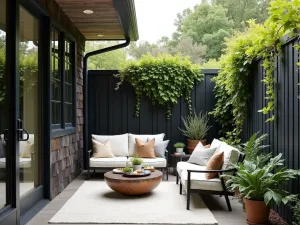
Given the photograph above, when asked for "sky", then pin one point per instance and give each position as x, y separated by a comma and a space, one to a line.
156, 18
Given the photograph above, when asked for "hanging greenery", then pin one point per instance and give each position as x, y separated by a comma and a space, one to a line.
163, 79
258, 42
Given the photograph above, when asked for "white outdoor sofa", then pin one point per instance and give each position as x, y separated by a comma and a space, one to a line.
123, 147
192, 177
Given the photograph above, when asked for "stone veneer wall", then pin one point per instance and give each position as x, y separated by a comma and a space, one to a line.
67, 151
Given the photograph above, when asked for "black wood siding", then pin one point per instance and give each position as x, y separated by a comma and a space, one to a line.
284, 132
112, 112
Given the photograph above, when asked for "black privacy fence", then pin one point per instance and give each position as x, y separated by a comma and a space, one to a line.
112, 112
285, 130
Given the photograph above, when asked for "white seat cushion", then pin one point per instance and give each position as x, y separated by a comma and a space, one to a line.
184, 166
108, 162
156, 162
143, 138
119, 143
199, 182
24, 163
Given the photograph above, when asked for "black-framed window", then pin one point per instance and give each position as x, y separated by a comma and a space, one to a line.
63, 81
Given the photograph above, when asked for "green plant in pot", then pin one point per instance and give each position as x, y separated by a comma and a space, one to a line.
136, 163
179, 147
127, 170
261, 187
195, 128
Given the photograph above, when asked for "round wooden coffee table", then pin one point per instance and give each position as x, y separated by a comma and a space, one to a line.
133, 185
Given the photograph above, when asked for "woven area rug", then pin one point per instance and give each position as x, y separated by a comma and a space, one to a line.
94, 202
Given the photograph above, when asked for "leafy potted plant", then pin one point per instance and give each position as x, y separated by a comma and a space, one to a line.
179, 147
195, 128
261, 187
136, 163
127, 170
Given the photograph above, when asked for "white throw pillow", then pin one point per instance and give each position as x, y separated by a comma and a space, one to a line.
216, 143
119, 143
160, 148
143, 138
231, 155
199, 146
102, 150
28, 149
200, 156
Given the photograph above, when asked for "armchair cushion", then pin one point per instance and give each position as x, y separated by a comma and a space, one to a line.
231, 155
108, 162
199, 181
201, 156
119, 143
143, 138
216, 143
156, 162
184, 166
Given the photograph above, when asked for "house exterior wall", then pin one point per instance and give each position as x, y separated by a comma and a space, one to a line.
67, 151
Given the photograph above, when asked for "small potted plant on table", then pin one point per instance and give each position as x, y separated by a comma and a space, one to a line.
260, 187
179, 147
195, 128
136, 163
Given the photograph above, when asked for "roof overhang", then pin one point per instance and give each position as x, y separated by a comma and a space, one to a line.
110, 20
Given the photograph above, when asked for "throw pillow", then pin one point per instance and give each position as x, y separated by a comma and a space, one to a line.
28, 148
145, 150
160, 148
119, 143
102, 150
215, 143
214, 163
201, 156
143, 138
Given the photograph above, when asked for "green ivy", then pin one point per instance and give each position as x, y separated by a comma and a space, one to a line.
163, 79
257, 42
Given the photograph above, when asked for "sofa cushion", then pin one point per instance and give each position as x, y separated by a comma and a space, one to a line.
143, 138
119, 143
144, 150
201, 156
183, 166
156, 162
198, 181
102, 150
216, 143
108, 162
160, 148
24, 163
231, 155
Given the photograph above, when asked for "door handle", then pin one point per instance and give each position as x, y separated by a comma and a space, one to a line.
21, 131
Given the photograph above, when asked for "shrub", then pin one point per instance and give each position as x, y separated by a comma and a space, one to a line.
163, 79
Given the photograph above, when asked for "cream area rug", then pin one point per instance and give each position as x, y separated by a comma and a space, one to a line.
94, 202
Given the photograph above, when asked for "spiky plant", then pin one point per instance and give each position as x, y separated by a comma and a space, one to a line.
195, 126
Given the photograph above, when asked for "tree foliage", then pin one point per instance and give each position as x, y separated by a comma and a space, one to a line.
259, 41
163, 79
109, 60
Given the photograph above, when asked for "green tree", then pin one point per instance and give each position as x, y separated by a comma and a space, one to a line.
240, 11
109, 60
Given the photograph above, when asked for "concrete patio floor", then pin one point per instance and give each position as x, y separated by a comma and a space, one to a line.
216, 204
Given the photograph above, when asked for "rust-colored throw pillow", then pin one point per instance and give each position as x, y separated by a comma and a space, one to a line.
206, 146
145, 150
214, 163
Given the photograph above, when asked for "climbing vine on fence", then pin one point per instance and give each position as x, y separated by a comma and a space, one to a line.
258, 41
163, 79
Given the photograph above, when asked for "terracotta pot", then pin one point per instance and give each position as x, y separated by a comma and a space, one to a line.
257, 212
193, 143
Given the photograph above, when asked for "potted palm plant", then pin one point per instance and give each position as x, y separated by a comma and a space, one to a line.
195, 128
261, 186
